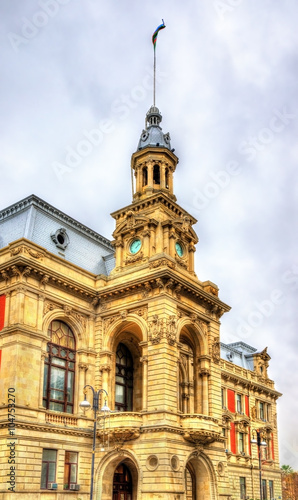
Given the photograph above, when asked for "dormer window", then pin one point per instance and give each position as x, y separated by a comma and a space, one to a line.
60, 238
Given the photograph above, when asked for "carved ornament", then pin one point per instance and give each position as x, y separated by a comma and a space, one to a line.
155, 329
216, 352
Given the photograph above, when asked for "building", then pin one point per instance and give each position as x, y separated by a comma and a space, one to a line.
131, 319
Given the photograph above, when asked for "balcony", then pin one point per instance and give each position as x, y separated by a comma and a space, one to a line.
120, 426
200, 429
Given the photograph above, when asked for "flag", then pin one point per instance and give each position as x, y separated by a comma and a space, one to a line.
154, 36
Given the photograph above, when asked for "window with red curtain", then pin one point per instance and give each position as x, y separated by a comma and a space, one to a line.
233, 438
247, 406
231, 400
2, 311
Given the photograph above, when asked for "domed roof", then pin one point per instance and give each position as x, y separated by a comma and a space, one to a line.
153, 135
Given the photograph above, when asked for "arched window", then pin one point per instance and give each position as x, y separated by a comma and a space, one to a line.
59, 368
167, 178
124, 379
122, 483
145, 176
186, 379
156, 174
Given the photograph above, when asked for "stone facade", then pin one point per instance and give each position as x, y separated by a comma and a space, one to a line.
191, 406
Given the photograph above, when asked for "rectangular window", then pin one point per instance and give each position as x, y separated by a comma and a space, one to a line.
271, 490
264, 489
242, 488
48, 468
241, 442
238, 403
70, 469
223, 399
261, 411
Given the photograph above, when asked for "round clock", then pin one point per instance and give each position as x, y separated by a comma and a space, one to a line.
179, 249
135, 245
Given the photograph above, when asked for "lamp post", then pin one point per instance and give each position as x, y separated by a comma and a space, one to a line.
258, 441
85, 405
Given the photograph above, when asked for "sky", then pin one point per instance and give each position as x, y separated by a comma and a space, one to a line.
76, 83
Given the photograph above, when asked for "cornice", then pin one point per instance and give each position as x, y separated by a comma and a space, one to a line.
169, 281
250, 384
21, 267
52, 428
155, 199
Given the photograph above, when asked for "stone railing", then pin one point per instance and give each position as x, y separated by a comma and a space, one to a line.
61, 419
199, 422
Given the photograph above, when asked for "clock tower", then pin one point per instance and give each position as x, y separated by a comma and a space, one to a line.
154, 225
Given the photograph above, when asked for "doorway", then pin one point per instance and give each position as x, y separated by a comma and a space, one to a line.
122, 483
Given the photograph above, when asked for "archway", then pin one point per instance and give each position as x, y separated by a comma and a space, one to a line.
200, 483
118, 478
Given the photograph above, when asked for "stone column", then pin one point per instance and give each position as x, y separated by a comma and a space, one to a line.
191, 253
205, 373
144, 361
82, 381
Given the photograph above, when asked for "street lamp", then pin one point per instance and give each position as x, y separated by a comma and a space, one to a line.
85, 405
258, 441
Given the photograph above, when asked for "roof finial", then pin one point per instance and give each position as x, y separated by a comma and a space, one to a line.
154, 39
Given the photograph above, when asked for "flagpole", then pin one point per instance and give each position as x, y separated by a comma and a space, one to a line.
154, 77
154, 38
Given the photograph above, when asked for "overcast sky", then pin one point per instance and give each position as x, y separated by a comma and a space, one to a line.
74, 72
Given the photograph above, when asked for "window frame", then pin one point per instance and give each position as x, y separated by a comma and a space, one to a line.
47, 462
264, 489
242, 481
271, 489
128, 381
60, 363
67, 476
239, 403
241, 442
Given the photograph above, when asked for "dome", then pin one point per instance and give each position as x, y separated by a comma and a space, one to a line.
153, 135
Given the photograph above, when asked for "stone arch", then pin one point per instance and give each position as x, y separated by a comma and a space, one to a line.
73, 322
131, 332
131, 325
195, 333
105, 473
203, 478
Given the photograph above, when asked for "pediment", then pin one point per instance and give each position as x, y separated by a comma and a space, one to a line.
132, 222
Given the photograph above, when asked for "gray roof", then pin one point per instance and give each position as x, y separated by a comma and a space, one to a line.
239, 353
153, 134
45, 225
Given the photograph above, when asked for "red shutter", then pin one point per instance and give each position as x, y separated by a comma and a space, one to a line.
249, 442
247, 406
272, 447
2, 311
231, 400
233, 438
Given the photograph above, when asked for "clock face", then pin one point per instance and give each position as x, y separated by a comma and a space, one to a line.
135, 245
179, 249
